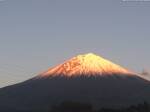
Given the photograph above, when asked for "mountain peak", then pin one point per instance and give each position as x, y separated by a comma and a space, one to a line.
89, 56
86, 64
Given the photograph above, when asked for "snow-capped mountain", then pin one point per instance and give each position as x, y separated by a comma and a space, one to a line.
88, 64
84, 78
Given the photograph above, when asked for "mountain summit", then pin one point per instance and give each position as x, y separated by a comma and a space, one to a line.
119, 89
87, 64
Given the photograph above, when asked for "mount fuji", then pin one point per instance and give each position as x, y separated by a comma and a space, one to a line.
85, 78
85, 65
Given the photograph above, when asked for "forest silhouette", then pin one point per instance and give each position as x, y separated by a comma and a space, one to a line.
70, 106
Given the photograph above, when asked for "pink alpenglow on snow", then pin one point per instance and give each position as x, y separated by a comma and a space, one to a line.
87, 64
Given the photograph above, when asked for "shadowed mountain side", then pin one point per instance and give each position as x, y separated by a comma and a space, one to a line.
38, 94
85, 78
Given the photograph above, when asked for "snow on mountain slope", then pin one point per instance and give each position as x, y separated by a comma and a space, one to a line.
88, 64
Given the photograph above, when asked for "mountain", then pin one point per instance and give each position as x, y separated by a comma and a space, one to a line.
88, 65
85, 78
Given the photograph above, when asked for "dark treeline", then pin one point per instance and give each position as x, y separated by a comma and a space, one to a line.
82, 107
70, 106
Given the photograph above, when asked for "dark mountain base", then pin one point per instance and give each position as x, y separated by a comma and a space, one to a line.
80, 107
103, 91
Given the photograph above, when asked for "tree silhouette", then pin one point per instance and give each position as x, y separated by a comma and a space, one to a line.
69, 106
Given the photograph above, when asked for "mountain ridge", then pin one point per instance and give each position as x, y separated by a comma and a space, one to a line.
87, 64
109, 89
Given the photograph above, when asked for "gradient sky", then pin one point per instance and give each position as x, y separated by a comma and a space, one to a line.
38, 34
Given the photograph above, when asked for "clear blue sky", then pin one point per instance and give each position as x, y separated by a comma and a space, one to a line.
38, 34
